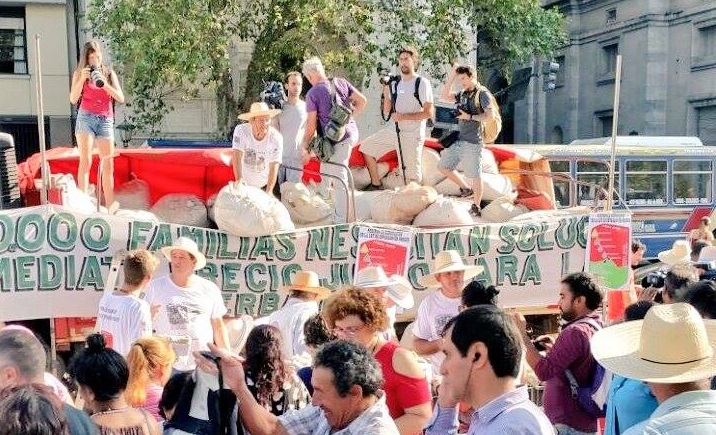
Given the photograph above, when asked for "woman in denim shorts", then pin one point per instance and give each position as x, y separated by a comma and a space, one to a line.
95, 88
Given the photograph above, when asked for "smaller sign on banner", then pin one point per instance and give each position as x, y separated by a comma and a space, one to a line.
384, 247
609, 249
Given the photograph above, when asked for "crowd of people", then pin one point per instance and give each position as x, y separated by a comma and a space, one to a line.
330, 362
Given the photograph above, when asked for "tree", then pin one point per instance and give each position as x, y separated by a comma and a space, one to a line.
164, 47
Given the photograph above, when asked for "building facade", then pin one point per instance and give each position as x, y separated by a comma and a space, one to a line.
20, 22
668, 83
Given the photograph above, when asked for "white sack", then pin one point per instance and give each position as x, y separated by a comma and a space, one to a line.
410, 200
444, 212
364, 202
181, 209
495, 186
210, 207
137, 215
380, 207
133, 195
248, 211
448, 188
361, 177
431, 174
503, 209
304, 206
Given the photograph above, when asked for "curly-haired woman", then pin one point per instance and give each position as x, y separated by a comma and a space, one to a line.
360, 316
269, 378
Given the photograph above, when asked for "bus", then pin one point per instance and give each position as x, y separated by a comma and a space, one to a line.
667, 183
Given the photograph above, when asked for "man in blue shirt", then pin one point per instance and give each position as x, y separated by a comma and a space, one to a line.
482, 359
674, 351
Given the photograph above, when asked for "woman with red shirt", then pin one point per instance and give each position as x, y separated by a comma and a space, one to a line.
360, 316
95, 117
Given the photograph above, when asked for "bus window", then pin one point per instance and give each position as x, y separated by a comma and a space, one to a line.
595, 173
645, 182
561, 186
692, 182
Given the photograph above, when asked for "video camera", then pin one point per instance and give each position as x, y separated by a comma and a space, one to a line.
654, 279
385, 77
274, 95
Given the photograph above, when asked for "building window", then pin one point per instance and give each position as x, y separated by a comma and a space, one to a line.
606, 123
13, 44
611, 15
707, 41
609, 59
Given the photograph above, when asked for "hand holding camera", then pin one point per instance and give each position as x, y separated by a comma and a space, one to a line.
96, 76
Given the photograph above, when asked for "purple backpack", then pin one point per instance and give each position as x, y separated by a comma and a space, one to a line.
591, 398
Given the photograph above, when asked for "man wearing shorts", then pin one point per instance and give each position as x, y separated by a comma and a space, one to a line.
473, 103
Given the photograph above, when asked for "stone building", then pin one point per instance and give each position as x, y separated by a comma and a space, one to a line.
668, 85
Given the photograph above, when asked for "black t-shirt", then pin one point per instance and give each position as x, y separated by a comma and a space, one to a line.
470, 131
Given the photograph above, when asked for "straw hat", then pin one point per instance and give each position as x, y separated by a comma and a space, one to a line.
397, 287
188, 245
307, 281
637, 349
680, 252
259, 109
708, 254
448, 261
238, 330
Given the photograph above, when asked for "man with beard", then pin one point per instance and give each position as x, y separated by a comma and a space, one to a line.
410, 100
579, 297
291, 123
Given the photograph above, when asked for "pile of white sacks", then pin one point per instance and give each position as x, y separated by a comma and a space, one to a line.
246, 211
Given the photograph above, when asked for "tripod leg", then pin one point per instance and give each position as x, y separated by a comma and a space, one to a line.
400, 154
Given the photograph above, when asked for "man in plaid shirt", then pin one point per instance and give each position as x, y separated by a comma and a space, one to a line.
347, 399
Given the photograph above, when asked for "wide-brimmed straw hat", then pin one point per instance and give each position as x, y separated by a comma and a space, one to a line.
238, 330
680, 252
448, 261
259, 109
672, 345
397, 287
188, 245
307, 281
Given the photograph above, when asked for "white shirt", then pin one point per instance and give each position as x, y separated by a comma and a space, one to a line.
291, 123
123, 318
290, 320
185, 315
405, 102
258, 154
434, 313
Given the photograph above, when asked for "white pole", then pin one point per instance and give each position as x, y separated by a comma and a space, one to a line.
44, 168
615, 123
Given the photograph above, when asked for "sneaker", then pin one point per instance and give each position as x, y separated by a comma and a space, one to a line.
475, 211
371, 187
464, 193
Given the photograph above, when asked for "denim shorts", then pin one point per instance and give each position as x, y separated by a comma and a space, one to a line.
95, 125
470, 154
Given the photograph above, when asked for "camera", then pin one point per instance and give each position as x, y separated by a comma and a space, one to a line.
96, 76
654, 279
273, 95
385, 77
210, 356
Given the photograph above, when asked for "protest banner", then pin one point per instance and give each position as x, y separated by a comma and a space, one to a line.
53, 260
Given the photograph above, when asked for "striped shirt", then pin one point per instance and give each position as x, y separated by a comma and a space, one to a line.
311, 421
510, 413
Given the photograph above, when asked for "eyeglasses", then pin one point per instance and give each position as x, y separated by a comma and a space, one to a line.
350, 331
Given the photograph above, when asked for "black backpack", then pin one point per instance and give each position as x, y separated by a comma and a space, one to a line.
394, 91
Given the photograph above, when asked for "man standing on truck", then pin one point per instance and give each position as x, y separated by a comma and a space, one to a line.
449, 274
187, 308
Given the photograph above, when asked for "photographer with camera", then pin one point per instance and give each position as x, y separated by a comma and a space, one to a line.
408, 99
474, 106
291, 123
668, 287
95, 88
332, 105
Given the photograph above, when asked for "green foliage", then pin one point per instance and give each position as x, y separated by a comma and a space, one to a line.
179, 47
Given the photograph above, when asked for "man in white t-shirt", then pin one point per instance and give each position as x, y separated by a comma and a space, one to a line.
187, 308
258, 148
291, 123
304, 294
123, 317
449, 274
410, 100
